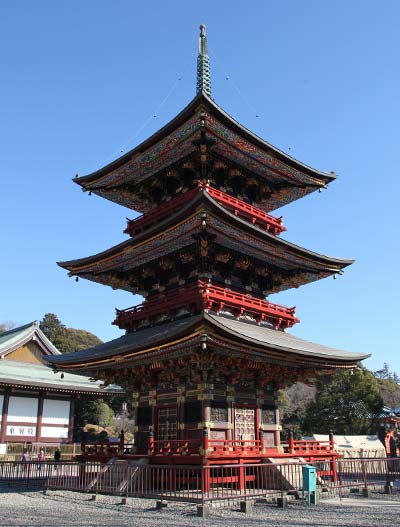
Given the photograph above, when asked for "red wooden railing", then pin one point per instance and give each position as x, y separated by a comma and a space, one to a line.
245, 210
234, 446
205, 296
237, 206
175, 447
141, 223
308, 447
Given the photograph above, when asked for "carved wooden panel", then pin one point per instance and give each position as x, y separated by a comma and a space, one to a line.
268, 415
219, 412
269, 439
245, 424
218, 434
167, 423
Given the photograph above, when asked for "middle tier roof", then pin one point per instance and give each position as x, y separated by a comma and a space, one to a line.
203, 239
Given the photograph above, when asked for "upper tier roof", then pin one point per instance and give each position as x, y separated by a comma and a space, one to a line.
150, 344
119, 181
179, 231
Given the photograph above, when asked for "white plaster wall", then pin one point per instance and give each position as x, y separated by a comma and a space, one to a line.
1, 407
23, 409
56, 412
55, 432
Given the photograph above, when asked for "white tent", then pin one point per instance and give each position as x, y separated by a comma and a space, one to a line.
355, 446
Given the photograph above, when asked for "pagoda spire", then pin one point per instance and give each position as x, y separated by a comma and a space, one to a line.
203, 65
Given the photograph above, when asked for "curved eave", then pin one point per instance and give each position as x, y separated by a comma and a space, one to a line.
281, 341
268, 344
29, 386
154, 338
186, 113
332, 264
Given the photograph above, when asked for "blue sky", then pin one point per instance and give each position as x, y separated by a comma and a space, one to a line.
82, 81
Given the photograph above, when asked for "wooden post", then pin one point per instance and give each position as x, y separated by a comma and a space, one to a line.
39, 417
205, 441
205, 478
4, 416
331, 441
151, 443
334, 460
262, 441
71, 420
291, 442
241, 482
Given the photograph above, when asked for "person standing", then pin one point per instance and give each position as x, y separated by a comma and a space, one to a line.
25, 459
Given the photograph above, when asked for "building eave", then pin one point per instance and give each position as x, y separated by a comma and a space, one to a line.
152, 341
200, 100
82, 265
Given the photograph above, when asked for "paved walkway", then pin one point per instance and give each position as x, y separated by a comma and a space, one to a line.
67, 509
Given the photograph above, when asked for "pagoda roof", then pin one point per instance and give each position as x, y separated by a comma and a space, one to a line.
233, 141
231, 231
259, 342
16, 337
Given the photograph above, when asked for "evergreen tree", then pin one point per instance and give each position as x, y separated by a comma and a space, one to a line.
87, 410
66, 339
345, 402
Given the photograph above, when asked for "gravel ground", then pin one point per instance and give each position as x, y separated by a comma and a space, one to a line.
67, 509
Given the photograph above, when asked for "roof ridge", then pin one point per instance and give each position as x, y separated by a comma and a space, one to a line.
19, 328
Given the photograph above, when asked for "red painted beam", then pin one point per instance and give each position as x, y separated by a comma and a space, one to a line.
206, 296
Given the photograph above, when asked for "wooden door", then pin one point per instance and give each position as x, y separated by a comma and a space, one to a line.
167, 423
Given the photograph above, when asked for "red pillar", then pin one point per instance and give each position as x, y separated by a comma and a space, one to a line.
291, 442
39, 417
4, 416
151, 443
205, 468
205, 441
71, 420
334, 461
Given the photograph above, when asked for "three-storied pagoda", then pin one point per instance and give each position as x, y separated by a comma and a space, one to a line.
206, 352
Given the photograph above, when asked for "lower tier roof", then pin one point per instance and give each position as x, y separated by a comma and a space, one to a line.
35, 376
260, 342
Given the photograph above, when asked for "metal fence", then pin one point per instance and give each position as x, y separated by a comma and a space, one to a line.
14, 451
202, 484
32, 473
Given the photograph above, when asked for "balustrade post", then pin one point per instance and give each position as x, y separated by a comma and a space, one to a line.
331, 440
291, 442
